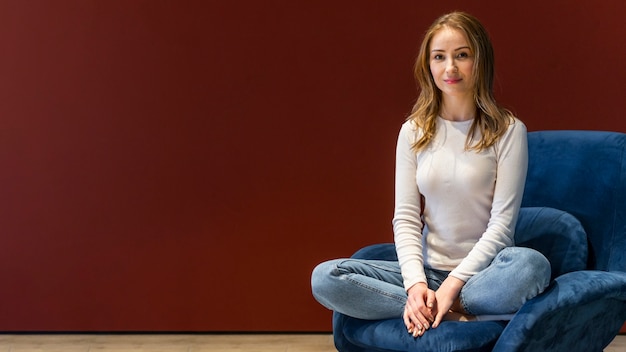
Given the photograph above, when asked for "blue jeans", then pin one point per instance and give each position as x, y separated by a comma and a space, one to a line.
373, 289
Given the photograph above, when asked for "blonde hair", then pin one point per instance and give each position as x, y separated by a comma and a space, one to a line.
491, 119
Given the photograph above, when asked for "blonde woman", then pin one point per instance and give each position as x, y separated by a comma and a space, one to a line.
461, 163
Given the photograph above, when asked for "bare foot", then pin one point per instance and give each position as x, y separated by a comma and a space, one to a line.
455, 316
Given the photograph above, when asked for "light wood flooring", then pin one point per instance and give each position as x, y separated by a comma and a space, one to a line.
186, 343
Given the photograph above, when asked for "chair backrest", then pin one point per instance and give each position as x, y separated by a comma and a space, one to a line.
584, 174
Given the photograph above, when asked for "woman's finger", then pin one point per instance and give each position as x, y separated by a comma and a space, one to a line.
431, 300
439, 318
416, 323
407, 321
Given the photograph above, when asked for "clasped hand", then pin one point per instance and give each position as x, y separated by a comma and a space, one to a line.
426, 308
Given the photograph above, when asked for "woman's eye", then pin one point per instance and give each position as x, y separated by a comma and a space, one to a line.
437, 57
462, 55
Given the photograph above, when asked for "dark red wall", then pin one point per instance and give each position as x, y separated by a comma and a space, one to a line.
183, 165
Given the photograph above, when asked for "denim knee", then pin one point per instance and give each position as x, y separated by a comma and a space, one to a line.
515, 276
322, 283
536, 268
364, 289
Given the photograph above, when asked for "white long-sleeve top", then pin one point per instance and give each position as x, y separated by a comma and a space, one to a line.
469, 200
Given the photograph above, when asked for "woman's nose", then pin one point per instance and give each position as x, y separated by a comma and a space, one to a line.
451, 67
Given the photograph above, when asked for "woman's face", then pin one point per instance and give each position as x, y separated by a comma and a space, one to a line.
452, 62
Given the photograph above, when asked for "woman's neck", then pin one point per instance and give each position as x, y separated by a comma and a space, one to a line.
457, 109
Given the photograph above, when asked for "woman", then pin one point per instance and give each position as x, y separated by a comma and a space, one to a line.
461, 163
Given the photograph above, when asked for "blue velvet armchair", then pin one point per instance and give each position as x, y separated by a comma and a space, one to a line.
574, 212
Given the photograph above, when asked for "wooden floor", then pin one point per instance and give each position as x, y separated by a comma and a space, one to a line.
186, 343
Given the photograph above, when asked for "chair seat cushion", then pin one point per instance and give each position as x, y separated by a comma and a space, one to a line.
391, 335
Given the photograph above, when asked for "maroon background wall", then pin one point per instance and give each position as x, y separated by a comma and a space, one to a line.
183, 165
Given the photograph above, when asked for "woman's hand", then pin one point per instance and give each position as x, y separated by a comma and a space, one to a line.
446, 295
420, 309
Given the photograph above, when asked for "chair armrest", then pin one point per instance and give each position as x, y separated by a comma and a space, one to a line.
580, 311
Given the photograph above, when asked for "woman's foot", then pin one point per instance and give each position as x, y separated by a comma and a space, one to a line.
455, 316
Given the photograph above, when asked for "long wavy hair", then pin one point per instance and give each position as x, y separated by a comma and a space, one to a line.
491, 119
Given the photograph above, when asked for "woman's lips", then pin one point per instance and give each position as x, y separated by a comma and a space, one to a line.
452, 81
